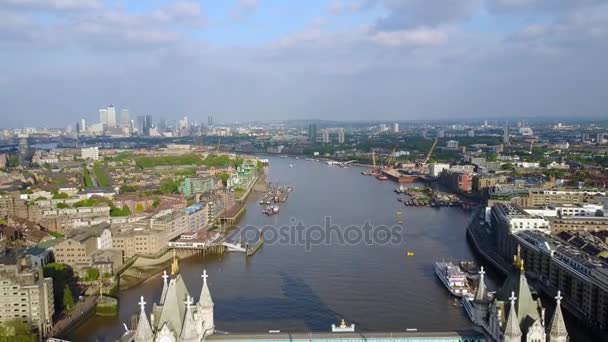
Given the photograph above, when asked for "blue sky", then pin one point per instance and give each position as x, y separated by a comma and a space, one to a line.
331, 59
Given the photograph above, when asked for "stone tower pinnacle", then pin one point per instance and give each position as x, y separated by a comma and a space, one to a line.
557, 330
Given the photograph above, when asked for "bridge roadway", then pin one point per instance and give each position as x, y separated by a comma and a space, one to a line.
449, 336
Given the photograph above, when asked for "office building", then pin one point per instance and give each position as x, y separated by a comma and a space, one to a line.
90, 153
103, 116
340, 135
26, 296
82, 126
144, 124
111, 116
210, 121
452, 144
505, 138
312, 133
325, 136
125, 118
395, 127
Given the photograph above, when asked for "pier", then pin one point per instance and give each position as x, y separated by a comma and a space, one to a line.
251, 250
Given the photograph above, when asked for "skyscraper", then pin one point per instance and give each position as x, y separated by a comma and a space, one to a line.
312, 133
144, 123
325, 136
505, 138
24, 149
396, 127
210, 121
125, 119
103, 116
340, 135
83, 125
111, 116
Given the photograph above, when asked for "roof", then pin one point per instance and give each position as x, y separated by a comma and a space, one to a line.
526, 307
173, 309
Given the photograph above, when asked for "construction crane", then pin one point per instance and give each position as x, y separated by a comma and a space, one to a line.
374, 159
428, 156
219, 140
392, 157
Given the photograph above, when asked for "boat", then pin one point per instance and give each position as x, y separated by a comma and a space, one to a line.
290, 165
453, 278
381, 177
400, 222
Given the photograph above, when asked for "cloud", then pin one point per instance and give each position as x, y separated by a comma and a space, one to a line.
539, 6
412, 13
244, 8
419, 37
52, 5
344, 7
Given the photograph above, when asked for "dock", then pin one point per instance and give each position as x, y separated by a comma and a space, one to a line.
251, 250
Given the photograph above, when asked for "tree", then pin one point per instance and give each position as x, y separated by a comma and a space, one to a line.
68, 299
63, 277
92, 274
168, 186
16, 331
224, 178
139, 207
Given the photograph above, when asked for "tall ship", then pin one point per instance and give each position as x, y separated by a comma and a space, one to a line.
453, 278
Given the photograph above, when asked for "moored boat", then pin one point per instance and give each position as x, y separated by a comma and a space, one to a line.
453, 278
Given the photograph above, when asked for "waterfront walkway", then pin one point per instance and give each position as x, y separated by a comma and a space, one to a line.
81, 311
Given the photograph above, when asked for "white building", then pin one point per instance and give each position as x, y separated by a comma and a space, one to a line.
325, 136
436, 168
396, 127
90, 153
452, 144
103, 116
340, 135
111, 116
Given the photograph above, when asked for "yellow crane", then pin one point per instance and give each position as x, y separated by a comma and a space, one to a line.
428, 156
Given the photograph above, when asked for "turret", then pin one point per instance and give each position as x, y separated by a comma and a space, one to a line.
205, 322
189, 332
144, 330
557, 330
512, 330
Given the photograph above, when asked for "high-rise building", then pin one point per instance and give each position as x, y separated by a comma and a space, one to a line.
440, 133
89, 153
125, 119
144, 123
505, 138
83, 126
210, 121
29, 293
325, 136
103, 116
312, 132
111, 116
340, 135
396, 127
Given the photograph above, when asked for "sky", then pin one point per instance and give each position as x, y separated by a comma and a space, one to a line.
62, 60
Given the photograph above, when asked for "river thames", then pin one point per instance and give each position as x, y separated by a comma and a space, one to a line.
287, 286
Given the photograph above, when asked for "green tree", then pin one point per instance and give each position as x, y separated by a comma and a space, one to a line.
168, 186
60, 195
16, 331
63, 277
155, 202
92, 274
68, 298
224, 178
139, 207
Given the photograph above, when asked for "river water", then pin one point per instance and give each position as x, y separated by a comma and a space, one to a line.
287, 287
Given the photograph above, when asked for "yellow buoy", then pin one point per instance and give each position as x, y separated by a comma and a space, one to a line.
400, 222
398, 213
410, 253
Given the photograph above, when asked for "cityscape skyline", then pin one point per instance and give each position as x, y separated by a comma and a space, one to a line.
243, 60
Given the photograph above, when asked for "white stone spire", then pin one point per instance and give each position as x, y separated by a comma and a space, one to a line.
481, 293
557, 331
163, 294
144, 331
205, 309
189, 331
512, 329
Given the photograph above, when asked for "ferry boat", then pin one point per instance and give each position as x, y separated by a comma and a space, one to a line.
453, 278
381, 177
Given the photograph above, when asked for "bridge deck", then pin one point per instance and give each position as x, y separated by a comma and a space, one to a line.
450, 336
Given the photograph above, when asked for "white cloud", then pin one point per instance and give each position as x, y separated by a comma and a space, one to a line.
53, 5
418, 37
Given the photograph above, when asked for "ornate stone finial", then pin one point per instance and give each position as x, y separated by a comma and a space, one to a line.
141, 303
482, 272
189, 301
559, 297
165, 276
343, 324
521, 266
517, 259
175, 265
204, 276
512, 298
